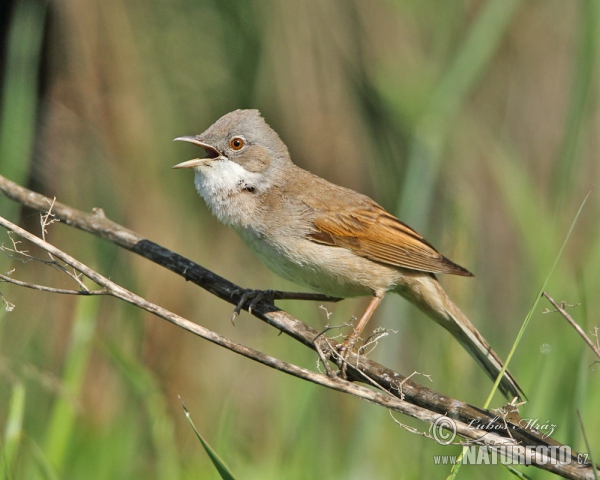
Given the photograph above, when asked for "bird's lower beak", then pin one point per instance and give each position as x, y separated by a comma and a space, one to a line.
211, 153
196, 162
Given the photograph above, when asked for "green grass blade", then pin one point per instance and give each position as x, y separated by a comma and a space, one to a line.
535, 303
63, 416
39, 467
13, 430
147, 387
582, 93
587, 445
219, 464
19, 101
426, 151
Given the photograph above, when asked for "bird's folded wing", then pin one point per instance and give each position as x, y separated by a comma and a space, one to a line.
371, 232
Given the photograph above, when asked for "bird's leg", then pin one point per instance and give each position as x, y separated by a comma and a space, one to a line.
252, 298
351, 339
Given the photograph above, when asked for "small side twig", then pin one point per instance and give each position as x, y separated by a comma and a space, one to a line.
8, 306
372, 340
43, 288
47, 219
569, 319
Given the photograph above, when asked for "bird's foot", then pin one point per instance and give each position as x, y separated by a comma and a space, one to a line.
250, 298
342, 353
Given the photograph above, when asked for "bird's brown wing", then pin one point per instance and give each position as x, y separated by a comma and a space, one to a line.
371, 232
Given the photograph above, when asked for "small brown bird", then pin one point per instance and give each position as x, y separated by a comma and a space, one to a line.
323, 236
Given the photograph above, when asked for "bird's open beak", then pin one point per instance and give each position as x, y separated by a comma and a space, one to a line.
211, 153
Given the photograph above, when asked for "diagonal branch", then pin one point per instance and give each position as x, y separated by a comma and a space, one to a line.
396, 391
573, 323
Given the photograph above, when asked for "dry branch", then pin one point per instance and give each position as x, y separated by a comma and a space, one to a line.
560, 309
395, 391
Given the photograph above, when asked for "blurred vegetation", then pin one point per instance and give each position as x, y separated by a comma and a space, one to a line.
475, 121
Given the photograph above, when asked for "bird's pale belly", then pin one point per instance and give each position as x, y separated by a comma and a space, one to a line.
330, 270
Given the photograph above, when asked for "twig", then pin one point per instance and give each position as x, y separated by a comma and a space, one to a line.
372, 340
8, 306
569, 319
46, 219
43, 288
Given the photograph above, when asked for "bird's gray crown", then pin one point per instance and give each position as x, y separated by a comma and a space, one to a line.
248, 124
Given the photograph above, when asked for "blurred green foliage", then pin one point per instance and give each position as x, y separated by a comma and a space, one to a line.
475, 121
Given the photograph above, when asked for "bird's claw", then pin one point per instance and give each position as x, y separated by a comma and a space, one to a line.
255, 297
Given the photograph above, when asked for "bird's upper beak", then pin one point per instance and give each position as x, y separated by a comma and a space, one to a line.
211, 153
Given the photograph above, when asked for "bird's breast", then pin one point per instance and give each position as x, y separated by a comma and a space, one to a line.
330, 270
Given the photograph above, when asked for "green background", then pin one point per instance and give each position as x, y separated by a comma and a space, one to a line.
476, 122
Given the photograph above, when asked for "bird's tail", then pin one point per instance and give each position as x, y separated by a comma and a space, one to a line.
429, 296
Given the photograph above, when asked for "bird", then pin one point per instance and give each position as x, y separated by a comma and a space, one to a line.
326, 237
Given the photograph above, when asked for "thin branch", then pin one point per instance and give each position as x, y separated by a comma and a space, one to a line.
572, 322
8, 306
43, 288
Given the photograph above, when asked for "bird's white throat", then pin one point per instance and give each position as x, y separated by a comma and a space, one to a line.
228, 189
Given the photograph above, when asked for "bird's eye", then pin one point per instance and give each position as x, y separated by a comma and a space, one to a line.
237, 143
